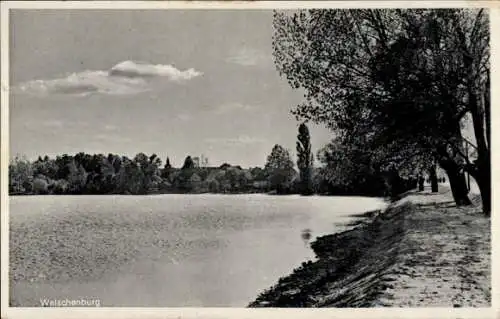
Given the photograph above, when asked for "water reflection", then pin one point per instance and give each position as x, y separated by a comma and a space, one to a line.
306, 236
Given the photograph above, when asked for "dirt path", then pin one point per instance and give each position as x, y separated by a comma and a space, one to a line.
444, 258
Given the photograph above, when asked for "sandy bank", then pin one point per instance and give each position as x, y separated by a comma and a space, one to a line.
422, 251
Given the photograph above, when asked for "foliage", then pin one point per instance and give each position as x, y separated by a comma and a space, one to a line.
401, 80
113, 174
304, 159
167, 169
40, 186
348, 169
167, 164
20, 176
280, 169
188, 163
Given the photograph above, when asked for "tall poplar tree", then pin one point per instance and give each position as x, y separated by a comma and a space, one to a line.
304, 159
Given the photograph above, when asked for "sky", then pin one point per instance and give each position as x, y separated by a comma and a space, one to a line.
169, 82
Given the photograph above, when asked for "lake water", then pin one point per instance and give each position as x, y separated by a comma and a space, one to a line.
164, 250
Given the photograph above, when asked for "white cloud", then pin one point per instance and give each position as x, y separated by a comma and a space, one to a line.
132, 69
127, 77
85, 83
240, 140
248, 57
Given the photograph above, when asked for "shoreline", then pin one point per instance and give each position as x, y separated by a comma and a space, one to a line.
200, 193
402, 256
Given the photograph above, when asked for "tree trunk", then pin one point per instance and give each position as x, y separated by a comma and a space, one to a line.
420, 183
457, 181
433, 178
484, 184
458, 188
395, 183
305, 185
456, 178
483, 166
481, 174
487, 113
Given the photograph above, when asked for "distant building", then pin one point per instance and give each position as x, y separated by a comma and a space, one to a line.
261, 185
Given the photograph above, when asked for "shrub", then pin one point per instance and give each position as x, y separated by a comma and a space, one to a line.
40, 186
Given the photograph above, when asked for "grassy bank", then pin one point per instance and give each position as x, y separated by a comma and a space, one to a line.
421, 251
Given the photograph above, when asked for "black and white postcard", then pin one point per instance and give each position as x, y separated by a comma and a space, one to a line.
208, 159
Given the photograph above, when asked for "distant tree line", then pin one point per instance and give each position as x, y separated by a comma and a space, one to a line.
114, 174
